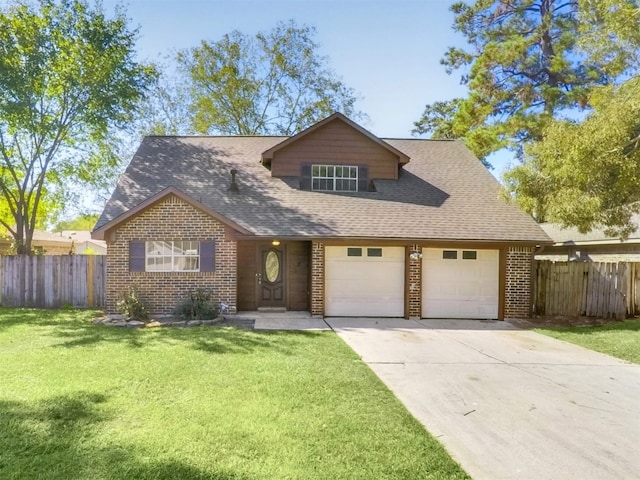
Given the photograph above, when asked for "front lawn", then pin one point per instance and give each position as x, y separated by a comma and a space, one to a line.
620, 339
79, 401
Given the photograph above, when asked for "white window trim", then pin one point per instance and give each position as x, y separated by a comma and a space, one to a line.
173, 256
333, 178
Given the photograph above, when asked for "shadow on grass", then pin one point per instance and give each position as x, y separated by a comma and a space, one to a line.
624, 326
15, 317
215, 340
74, 328
55, 439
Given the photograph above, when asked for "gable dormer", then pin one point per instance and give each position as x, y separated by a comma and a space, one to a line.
335, 154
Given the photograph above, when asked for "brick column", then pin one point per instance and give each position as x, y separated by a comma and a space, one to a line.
414, 290
317, 278
518, 282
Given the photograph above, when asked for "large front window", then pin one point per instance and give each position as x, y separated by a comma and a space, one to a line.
334, 178
172, 256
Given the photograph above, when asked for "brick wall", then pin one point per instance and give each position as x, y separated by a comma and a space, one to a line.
317, 278
171, 219
415, 282
518, 282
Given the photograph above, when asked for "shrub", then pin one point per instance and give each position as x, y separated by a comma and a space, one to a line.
197, 306
131, 305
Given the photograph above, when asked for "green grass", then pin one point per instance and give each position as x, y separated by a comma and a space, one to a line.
620, 339
79, 401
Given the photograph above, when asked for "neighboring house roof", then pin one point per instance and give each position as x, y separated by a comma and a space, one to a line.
81, 236
443, 192
571, 236
42, 237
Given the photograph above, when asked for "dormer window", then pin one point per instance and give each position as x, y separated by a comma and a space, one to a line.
334, 178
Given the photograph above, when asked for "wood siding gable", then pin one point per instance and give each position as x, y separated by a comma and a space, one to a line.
335, 142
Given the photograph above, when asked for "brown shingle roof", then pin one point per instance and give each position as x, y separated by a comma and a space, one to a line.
444, 192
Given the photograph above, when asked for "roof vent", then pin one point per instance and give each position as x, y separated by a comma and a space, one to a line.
234, 186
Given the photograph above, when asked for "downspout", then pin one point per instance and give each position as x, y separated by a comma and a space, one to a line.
539, 249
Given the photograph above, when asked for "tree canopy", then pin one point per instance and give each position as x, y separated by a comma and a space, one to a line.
586, 174
67, 78
84, 221
529, 62
270, 83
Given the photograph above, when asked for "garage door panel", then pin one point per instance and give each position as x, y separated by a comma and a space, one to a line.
363, 285
460, 287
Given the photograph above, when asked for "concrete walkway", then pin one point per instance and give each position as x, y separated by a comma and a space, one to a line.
282, 320
508, 403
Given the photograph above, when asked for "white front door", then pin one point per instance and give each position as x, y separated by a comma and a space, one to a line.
460, 283
364, 281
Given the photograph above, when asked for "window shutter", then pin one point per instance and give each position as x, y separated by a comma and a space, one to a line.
136, 256
363, 179
208, 256
305, 177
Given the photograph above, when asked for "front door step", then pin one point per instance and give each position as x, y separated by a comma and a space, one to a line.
272, 309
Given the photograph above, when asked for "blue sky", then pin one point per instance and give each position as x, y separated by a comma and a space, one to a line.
388, 51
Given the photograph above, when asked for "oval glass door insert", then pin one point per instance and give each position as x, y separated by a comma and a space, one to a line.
272, 266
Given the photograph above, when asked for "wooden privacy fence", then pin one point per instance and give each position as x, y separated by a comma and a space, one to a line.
592, 289
53, 281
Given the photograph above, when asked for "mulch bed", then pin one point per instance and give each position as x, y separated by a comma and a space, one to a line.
222, 321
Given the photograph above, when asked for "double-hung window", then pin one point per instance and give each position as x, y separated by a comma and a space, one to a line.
172, 256
334, 178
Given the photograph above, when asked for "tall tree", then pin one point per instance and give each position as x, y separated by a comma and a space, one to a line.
272, 83
165, 110
586, 174
528, 62
84, 221
67, 78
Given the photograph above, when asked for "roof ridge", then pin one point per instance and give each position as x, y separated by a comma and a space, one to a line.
216, 136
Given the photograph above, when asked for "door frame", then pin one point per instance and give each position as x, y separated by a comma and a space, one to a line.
281, 250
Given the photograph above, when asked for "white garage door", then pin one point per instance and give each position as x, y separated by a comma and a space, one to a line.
460, 283
364, 281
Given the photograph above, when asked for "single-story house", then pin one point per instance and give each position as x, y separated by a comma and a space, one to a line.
594, 246
333, 220
42, 243
83, 244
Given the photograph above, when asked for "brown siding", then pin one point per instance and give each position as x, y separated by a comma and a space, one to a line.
298, 275
337, 144
171, 219
247, 270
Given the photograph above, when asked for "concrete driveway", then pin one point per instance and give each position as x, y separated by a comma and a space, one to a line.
508, 403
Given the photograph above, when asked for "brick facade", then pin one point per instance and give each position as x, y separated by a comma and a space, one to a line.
415, 281
172, 219
317, 278
518, 282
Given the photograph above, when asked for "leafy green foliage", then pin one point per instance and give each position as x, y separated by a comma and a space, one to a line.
272, 83
586, 174
165, 110
529, 62
67, 78
85, 221
131, 305
197, 306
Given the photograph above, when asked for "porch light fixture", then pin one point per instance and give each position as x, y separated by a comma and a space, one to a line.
275, 243
415, 255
